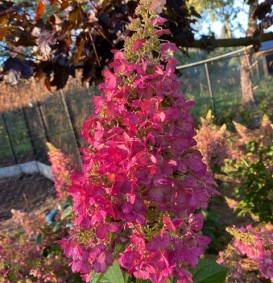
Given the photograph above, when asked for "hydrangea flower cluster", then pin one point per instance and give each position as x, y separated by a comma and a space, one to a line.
263, 135
250, 252
142, 180
244, 133
25, 254
62, 167
212, 142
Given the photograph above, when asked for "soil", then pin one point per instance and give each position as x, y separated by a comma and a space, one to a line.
26, 193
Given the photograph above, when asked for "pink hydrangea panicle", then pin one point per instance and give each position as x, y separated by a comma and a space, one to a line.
158, 21
23, 244
157, 6
139, 43
212, 142
142, 181
62, 167
253, 245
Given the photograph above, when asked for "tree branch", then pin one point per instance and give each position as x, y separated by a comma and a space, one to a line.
209, 43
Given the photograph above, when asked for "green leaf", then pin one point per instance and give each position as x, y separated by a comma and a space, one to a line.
114, 274
99, 278
67, 212
50, 10
209, 271
57, 227
148, 281
40, 239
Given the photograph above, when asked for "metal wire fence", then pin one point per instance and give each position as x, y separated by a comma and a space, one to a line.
25, 177
58, 120
215, 84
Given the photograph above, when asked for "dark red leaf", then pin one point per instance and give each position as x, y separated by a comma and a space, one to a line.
52, 2
18, 69
262, 10
40, 9
3, 30
60, 76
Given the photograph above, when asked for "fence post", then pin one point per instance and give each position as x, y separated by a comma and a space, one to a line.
266, 73
9, 139
29, 133
210, 89
73, 130
42, 117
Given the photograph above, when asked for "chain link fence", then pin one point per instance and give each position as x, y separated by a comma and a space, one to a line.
215, 84
25, 177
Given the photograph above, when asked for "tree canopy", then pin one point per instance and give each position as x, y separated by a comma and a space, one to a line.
51, 39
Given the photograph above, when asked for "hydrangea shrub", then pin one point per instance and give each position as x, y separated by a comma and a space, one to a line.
142, 182
29, 251
253, 172
212, 142
249, 256
263, 135
62, 167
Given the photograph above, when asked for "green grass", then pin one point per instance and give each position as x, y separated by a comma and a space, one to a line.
17, 135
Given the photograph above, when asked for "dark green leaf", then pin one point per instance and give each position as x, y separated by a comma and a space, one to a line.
209, 271
40, 238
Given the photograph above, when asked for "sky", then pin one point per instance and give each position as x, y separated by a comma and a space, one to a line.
216, 26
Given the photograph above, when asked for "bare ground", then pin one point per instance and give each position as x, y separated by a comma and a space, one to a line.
26, 193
